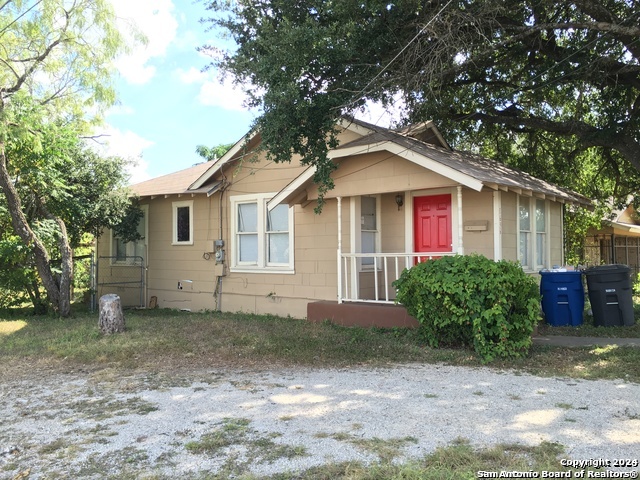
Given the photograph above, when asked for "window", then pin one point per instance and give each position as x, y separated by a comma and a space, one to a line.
262, 239
368, 227
183, 223
541, 233
248, 233
532, 231
131, 253
525, 232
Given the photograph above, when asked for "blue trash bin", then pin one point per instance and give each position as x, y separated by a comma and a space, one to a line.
562, 298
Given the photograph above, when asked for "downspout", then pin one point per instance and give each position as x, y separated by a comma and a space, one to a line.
339, 199
219, 278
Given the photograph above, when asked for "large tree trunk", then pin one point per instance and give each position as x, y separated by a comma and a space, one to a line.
21, 226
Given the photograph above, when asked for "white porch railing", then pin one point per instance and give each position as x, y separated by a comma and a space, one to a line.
384, 269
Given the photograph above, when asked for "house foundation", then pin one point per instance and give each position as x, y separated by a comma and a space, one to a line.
361, 314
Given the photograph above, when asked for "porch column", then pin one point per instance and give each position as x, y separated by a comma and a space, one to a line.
497, 225
460, 222
339, 199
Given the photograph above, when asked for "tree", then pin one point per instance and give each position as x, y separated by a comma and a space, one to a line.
521, 80
55, 65
66, 190
213, 153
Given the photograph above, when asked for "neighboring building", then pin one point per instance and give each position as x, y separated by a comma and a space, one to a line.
240, 233
617, 241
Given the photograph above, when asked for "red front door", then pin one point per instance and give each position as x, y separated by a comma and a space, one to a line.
432, 223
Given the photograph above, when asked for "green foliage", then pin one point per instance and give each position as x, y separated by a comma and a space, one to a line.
213, 153
551, 87
490, 306
16, 272
56, 66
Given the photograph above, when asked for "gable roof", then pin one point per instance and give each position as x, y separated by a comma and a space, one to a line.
470, 170
176, 183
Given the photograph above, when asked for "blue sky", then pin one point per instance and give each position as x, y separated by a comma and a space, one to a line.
167, 104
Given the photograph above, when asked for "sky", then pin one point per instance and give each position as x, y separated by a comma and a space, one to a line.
167, 104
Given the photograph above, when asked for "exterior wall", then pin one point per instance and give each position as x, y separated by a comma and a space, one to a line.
392, 231
478, 206
315, 275
170, 265
556, 235
509, 226
380, 172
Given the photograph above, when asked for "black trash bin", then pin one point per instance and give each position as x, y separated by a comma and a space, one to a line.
611, 295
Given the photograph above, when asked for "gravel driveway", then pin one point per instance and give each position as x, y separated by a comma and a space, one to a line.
106, 423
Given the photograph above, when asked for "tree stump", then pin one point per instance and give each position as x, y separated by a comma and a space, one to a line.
111, 315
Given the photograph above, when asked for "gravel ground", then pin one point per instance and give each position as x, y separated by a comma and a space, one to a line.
158, 425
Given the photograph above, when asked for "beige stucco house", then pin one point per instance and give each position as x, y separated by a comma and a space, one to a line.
241, 234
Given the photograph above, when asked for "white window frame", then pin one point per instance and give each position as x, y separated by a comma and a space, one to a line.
131, 246
531, 263
377, 238
356, 221
262, 265
174, 223
544, 233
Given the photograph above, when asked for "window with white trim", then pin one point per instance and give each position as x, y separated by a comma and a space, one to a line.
532, 232
182, 229
134, 252
368, 228
541, 233
262, 239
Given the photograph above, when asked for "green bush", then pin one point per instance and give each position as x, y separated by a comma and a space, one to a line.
472, 300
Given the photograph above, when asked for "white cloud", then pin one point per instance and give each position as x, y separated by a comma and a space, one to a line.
224, 94
155, 20
129, 145
193, 75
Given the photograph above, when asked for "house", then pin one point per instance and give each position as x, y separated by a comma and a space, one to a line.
617, 241
241, 234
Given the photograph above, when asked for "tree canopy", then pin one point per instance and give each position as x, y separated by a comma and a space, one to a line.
553, 87
213, 153
56, 65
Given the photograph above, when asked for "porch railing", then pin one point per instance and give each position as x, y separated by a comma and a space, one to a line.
378, 270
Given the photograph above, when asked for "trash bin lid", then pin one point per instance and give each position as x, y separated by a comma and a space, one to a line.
613, 268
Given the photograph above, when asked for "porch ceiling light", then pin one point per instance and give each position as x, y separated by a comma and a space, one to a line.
399, 201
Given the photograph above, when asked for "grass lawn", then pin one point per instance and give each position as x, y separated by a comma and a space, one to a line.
190, 340
181, 341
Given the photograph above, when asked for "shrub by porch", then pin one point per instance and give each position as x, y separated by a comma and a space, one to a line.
472, 300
